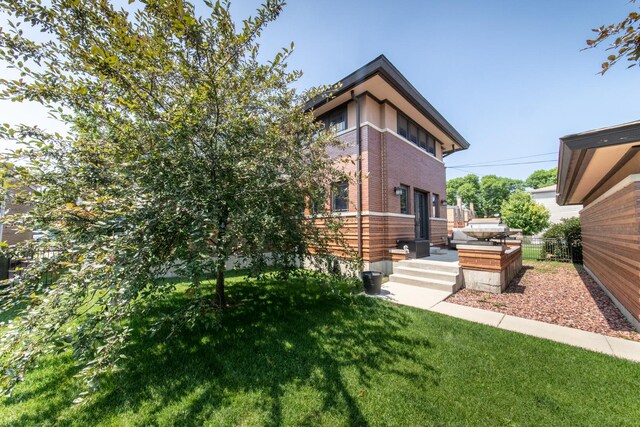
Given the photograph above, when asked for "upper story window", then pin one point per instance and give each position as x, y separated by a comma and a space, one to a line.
416, 134
340, 196
336, 119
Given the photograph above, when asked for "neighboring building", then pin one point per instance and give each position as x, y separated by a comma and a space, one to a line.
546, 196
459, 216
601, 170
9, 206
402, 141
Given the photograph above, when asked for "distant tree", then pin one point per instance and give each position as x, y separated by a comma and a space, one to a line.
521, 211
467, 187
487, 194
185, 150
626, 40
494, 190
542, 178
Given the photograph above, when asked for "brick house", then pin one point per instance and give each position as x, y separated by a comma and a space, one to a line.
9, 206
600, 169
401, 141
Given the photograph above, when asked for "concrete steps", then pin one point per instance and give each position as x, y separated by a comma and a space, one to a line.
437, 275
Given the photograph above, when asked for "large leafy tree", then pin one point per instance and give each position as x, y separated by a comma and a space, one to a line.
494, 190
521, 211
184, 151
487, 194
623, 38
467, 187
542, 178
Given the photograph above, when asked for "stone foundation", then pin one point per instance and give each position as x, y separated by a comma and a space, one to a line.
489, 268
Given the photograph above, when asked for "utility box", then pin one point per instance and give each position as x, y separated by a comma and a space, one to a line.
418, 248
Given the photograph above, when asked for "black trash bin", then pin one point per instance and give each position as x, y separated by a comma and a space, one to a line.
372, 282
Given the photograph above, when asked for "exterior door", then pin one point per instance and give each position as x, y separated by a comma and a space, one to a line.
421, 209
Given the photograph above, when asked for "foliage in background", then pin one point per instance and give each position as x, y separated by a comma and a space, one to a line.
624, 40
542, 178
521, 211
569, 230
487, 194
467, 187
184, 150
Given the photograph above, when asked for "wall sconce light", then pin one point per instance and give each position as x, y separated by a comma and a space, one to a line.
398, 191
443, 202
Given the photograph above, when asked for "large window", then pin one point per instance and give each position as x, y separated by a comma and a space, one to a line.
336, 119
404, 199
414, 133
435, 206
340, 197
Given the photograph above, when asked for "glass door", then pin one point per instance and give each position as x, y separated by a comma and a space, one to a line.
421, 206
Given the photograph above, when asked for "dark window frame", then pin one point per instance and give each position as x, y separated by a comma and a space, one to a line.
337, 188
435, 205
427, 144
333, 114
405, 195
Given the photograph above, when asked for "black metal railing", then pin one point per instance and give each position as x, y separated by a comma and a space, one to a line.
12, 267
561, 250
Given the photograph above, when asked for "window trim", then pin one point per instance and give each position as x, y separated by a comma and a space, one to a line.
405, 189
340, 109
430, 141
435, 205
334, 194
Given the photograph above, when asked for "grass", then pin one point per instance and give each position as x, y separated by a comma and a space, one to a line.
295, 353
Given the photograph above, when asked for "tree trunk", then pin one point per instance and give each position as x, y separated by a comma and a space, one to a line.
220, 298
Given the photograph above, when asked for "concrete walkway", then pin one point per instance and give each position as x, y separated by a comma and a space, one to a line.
432, 300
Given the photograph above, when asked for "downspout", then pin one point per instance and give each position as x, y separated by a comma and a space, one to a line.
358, 174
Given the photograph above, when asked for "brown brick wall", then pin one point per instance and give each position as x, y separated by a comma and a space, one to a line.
10, 234
611, 244
387, 162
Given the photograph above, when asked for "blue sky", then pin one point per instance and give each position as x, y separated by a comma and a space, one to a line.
509, 75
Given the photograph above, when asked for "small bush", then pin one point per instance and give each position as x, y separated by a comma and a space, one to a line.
568, 229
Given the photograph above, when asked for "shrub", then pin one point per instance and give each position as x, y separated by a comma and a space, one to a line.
568, 229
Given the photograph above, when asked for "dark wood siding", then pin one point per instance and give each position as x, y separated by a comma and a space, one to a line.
611, 244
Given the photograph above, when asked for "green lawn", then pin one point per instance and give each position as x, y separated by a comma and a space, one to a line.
294, 354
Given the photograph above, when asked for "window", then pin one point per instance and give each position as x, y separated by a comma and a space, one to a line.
336, 119
422, 139
340, 197
435, 206
431, 144
402, 125
404, 199
414, 133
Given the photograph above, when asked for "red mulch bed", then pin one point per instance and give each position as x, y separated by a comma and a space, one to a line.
563, 294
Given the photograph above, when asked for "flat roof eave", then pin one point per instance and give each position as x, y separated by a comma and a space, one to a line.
577, 150
383, 67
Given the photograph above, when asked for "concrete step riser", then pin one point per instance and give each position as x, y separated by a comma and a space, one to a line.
422, 283
425, 266
427, 274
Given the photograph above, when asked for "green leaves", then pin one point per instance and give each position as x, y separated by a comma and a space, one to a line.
179, 141
626, 44
521, 211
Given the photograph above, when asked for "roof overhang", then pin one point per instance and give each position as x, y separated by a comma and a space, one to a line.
589, 160
381, 67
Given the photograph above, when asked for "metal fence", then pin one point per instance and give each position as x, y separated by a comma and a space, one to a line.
12, 267
561, 250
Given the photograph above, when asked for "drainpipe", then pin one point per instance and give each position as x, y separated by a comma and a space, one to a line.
2, 206
358, 174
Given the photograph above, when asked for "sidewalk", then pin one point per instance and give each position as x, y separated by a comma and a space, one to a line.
432, 300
